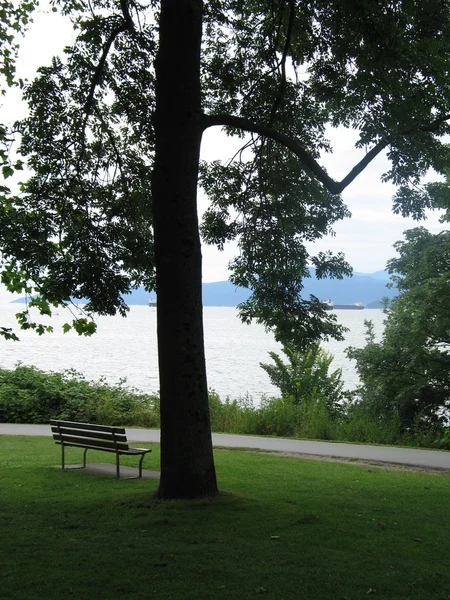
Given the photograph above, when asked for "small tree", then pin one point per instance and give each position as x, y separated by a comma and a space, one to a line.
408, 372
306, 377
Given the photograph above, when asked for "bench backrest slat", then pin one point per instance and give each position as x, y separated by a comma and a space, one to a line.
81, 432
72, 440
86, 426
103, 437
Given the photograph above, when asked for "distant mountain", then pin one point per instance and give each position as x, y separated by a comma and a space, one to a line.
377, 304
362, 287
365, 288
382, 275
359, 288
223, 293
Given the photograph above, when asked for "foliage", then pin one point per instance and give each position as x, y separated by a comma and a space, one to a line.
84, 220
14, 19
73, 215
28, 395
306, 377
362, 427
406, 374
444, 441
280, 417
232, 415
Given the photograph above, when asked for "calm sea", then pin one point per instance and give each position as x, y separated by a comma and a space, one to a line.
126, 349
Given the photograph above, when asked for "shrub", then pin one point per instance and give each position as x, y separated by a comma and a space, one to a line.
232, 416
276, 416
443, 440
316, 421
306, 377
359, 425
29, 395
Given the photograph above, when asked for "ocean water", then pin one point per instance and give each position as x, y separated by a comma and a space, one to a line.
125, 348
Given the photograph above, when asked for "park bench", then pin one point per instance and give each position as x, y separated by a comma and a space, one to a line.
95, 437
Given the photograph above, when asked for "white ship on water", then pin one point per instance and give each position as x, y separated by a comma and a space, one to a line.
330, 305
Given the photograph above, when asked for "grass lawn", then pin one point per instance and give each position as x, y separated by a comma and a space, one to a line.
284, 528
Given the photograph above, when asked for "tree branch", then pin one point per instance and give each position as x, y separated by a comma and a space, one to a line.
96, 80
287, 45
289, 142
430, 127
309, 161
357, 169
116, 152
127, 16
98, 73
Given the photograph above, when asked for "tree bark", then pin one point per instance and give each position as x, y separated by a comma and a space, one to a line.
187, 466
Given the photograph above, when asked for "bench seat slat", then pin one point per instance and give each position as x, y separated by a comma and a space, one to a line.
100, 435
130, 451
87, 426
135, 451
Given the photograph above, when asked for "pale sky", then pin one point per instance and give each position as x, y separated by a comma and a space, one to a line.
366, 239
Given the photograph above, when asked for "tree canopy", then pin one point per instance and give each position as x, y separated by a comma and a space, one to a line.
14, 19
112, 141
281, 71
406, 373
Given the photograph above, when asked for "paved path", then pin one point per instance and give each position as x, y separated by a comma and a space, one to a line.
407, 456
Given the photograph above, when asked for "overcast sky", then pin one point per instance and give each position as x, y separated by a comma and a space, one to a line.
366, 238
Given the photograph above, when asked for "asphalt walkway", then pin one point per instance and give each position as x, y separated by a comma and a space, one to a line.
428, 459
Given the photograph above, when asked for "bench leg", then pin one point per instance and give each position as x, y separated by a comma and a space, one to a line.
140, 466
63, 462
117, 466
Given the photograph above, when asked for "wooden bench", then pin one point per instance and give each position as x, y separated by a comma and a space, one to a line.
95, 437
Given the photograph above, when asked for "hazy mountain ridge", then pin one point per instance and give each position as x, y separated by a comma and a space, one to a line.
380, 275
362, 287
366, 288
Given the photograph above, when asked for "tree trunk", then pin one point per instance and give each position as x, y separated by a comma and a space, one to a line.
187, 466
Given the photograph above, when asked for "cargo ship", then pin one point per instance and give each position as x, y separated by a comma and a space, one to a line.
330, 305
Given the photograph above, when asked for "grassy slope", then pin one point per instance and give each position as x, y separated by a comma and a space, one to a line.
286, 528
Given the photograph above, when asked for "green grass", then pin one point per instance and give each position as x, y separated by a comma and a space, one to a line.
283, 528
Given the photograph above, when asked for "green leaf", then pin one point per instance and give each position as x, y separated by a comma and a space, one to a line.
7, 171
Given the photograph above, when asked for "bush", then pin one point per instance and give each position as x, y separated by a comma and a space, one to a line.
274, 416
306, 377
359, 425
316, 421
443, 440
28, 395
232, 416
